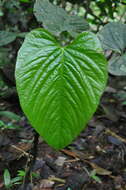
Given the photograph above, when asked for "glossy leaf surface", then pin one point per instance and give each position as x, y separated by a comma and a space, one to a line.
60, 87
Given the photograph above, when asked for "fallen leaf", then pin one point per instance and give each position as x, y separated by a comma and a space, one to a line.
69, 153
60, 161
56, 179
44, 184
99, 170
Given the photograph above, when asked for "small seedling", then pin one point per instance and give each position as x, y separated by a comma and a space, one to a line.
21, 173
94, 176
9, 125
7, 179
12, 119
10, 182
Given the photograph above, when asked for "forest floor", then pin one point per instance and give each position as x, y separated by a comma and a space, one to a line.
96, 160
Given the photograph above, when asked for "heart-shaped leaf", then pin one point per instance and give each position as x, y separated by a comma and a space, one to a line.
60, 87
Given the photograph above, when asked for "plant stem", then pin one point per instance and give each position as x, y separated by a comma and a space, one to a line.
32, 160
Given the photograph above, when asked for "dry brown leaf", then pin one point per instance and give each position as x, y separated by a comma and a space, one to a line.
78, 155
56, 179
99, 170
72, 154
44, 184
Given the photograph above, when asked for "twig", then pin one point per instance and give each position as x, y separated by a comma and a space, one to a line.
89, 11
20, 150
108, 131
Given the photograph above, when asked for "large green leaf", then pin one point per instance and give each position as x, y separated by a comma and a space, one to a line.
6, 37
60, 87
113, 37
56, 19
